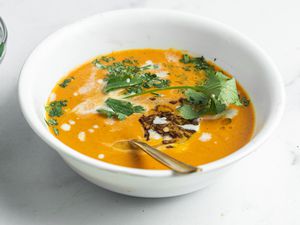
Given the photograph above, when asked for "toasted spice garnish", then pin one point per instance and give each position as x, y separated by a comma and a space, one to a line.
171, 131
166, 129
165, 142
169, 146
226, 121
173, 102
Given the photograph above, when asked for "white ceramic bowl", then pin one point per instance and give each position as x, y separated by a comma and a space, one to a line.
143, 28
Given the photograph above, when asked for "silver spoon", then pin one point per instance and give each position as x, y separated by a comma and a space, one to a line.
170, 162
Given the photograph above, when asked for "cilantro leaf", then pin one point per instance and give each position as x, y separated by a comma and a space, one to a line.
120, 106
111, 114
216, 106
196, 97
187, 111
120, 109
115, 83
229, 93
221, 87
212, 97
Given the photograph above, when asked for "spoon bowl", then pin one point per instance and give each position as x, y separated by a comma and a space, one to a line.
170, 162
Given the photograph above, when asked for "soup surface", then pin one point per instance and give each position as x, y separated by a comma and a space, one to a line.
183, 105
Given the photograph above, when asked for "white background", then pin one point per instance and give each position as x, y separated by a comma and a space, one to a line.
36, 187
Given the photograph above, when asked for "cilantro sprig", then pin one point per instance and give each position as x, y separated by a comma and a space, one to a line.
213, 97
119, 109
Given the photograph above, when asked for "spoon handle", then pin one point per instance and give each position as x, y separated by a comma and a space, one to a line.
174, 164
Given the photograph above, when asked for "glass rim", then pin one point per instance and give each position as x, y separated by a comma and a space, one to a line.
4, 30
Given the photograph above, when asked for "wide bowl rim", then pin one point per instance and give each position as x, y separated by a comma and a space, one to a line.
273, 119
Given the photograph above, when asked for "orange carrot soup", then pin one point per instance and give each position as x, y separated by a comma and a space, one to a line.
183, 105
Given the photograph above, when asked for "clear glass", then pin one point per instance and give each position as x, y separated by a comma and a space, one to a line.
3, 39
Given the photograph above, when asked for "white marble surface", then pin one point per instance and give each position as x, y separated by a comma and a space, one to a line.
36, 187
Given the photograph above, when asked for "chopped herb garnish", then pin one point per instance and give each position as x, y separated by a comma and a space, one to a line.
51, 122
116, 83
66, 82
107, 59
149, 67
212, 96
99, 65
130, 61
146, 81
199, 62
129, 76
186, 68
111, 114
245, 101
56, 131
55, 108
120, 109
185, 59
